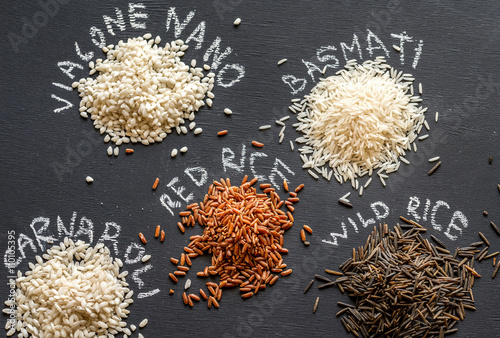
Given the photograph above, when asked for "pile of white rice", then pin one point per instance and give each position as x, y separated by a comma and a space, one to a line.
73, 291
362, 119
143, 91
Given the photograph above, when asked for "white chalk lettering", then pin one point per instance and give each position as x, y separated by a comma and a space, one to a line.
119, 22
366, 223
102, 39
236, 68
85, 57
107, 237
148, 294
59, 99
201, 175
354, 44
297, 85
39, 233
86, 229
402, 39
227, 161
198, 35
179, 27
169, 204
180, 190
138, 256
370, 48
253, 156
418, 53
376, 211
275, 171
140, 271
133, 15
217, 56
457, 216
327, 57
354, 225
311, 68
438, 204
67, 67
413, 205
22, 242
337, 235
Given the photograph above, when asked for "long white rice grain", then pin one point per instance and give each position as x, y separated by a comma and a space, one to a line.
264, 127
282, 61
434, 159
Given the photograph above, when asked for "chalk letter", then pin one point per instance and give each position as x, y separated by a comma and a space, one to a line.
215, 49
438, 204
274, 171
198, 35
119, 22
354, 44
227, 162
377, 212
179, 27
370, 47
107, 237
457, 215
413, 204
201, 179
335, 235
133, 15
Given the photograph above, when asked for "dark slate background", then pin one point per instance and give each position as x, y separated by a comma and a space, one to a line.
459, 72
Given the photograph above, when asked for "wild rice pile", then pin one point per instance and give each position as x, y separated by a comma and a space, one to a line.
74, 291
404, 286
362, 119
243, 232
143, 91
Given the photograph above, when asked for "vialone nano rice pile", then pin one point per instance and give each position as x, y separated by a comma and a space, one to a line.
362, 119
143, 91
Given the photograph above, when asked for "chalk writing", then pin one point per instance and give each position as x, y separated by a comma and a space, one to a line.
228, 162
325, 56
457, 223
227, 76
415, 210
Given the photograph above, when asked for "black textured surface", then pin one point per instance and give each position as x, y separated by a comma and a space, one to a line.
45, 156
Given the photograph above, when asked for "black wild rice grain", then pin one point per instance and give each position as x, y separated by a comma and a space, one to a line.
483, 237
322, 278
434, 168
326, 285
493, 225
316, 305
490, 160
309, 285
435, 239
404, 286
496, 270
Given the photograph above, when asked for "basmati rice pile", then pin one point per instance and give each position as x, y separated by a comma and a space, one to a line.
143, 91
74, 291
362, 119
